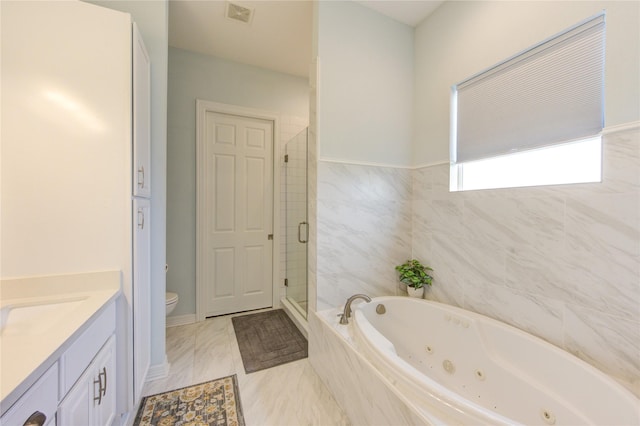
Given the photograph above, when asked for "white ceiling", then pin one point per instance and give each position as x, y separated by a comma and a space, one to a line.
410, 12
279, 35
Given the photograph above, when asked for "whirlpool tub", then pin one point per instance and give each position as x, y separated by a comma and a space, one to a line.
458, 367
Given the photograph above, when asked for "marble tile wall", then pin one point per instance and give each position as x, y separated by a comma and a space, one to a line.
561, 262
363, 230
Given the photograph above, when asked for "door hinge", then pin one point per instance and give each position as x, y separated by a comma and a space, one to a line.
286, 282
286, 158
270, 237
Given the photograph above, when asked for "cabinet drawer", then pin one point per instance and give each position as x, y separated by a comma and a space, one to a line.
76, 359
42, 397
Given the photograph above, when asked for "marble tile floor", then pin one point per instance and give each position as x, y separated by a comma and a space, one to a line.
289, 394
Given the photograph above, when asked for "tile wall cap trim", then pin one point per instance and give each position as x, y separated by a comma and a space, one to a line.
621, 127
372, 164
362, 163
433, 164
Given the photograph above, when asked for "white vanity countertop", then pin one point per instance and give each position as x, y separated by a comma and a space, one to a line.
40, 316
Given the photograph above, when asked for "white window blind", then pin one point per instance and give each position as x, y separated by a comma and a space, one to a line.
549, 94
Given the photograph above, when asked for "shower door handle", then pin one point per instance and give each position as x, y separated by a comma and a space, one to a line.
300, 240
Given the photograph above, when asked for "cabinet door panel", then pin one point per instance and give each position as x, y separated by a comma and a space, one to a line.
76, 408
92, 400
141, 117
141, 294
105, 362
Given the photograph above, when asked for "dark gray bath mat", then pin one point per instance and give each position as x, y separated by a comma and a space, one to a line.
267, 339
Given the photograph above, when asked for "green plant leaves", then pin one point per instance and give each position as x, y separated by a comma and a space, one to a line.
414, 274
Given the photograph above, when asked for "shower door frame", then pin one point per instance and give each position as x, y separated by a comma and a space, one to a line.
305, 221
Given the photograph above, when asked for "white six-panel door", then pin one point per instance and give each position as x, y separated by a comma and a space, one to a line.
238, 213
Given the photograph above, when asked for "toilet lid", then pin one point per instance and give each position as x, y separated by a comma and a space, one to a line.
171, 297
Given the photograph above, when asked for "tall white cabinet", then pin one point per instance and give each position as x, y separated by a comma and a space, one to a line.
75, 143
141, 193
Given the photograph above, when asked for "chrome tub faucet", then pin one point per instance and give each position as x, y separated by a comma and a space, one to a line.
346, 314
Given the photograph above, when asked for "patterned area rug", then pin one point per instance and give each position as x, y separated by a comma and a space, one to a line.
267, 339
211, 403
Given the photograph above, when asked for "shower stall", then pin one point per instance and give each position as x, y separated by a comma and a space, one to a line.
296, 221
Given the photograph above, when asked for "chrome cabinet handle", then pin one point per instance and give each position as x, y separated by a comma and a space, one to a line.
141, 173
140, 218
104, 373
98, 382
102, 387
300, 240
36, 419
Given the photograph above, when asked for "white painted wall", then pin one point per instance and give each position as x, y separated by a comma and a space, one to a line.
366, 90
195, 76
64, 180
462, 38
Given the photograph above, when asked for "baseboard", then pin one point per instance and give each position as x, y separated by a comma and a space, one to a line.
159, 371
127, 419
181, 320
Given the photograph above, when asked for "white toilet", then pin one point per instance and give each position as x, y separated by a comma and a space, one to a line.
171, 302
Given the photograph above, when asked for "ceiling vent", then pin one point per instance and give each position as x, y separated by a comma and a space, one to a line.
239, 13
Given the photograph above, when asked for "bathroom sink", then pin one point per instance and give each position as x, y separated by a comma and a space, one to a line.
35, 318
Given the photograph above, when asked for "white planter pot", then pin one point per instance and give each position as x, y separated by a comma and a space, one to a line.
415, 292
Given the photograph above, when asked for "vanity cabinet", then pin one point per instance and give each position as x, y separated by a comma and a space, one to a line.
38, 404
88, 375
92, 400
79, 385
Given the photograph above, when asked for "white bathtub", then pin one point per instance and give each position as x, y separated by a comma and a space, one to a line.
458, 367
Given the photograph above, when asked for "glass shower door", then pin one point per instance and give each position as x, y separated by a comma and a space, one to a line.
297, 228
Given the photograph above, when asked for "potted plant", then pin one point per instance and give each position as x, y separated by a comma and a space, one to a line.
415, 275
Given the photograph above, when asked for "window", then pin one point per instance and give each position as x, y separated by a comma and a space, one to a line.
534, 119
